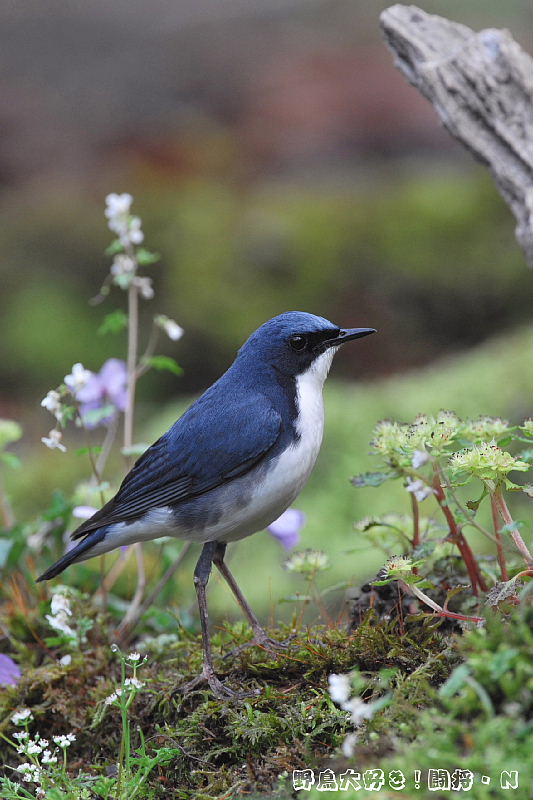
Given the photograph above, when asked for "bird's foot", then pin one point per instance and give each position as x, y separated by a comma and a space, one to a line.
219, 690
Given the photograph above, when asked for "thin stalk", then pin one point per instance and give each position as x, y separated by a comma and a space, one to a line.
107, 445
135, 604
474, 573
508, 520
133, 335
413, 590
415, 508
143, 367
156, 591
6, 511
499, 542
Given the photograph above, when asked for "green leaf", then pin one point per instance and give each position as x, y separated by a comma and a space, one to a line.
145, 257
473, 505
164, 363
114, 322
114, 248
372, 478
11, 460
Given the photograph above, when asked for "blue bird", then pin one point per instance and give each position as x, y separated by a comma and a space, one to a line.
231, 464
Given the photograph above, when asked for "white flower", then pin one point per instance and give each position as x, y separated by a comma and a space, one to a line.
59, 623
127, 228
48, 758
171, 328
348, 746
420, 457
43, 743
134, 657
21, 735
135, 682
122, 265
78, 378
144, 285
65, 660
20, 717
53, 441
359, 710
339, 688
135, 232
419, 489
112, 697
117, 205
30, 772
64, 741
31, 747
52, 403
60, 603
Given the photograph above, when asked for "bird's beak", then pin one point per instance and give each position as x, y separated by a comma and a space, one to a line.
347, 335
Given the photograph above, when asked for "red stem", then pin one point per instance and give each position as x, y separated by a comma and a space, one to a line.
474, 573
507, 518
499, 541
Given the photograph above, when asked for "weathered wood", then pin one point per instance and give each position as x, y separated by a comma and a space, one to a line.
481, 85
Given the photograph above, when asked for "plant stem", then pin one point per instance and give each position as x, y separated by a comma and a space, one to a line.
160, 585
499, 541
6, 511
133, 323
133, 608
507, 518
415, 508
413, 590
474, 573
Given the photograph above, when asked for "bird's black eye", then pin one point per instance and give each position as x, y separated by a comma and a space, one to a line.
298, 342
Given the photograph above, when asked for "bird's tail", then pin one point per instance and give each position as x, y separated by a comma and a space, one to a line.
76, 554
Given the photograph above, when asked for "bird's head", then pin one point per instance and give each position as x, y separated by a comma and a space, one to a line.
297, 342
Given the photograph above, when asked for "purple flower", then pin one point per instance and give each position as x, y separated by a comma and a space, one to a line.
104, 389
286, 529
9, 671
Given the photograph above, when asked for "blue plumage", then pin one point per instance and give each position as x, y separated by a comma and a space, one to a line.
234, 461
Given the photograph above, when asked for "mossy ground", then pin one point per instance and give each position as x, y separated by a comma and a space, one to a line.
234, 747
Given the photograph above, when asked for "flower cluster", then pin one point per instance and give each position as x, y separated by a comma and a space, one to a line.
340, 690
42, 756
411, 444
308, 562
120, 221
486, 461
59, 619
485, 429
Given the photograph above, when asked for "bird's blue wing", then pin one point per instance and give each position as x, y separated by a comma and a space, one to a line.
217, 439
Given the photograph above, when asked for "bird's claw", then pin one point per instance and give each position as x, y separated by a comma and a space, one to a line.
219, 690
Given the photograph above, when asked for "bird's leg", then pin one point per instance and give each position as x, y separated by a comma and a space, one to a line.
261, 637
202, 572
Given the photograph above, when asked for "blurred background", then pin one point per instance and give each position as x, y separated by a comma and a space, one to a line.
278, 161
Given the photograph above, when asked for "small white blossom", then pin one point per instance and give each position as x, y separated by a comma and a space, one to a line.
359, 710
420, 490
53, 441
339, 688
65, 660
59, 623
127, 228
30, 772
64, 741
122, 265
48, 758
348, 746
144, 285
112, 697
78, 378
31, 747
171, 328
52, 403
20, 717
60, 604
134, 657
135, 682
420, 457
21, 735
43, 743
135, 232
